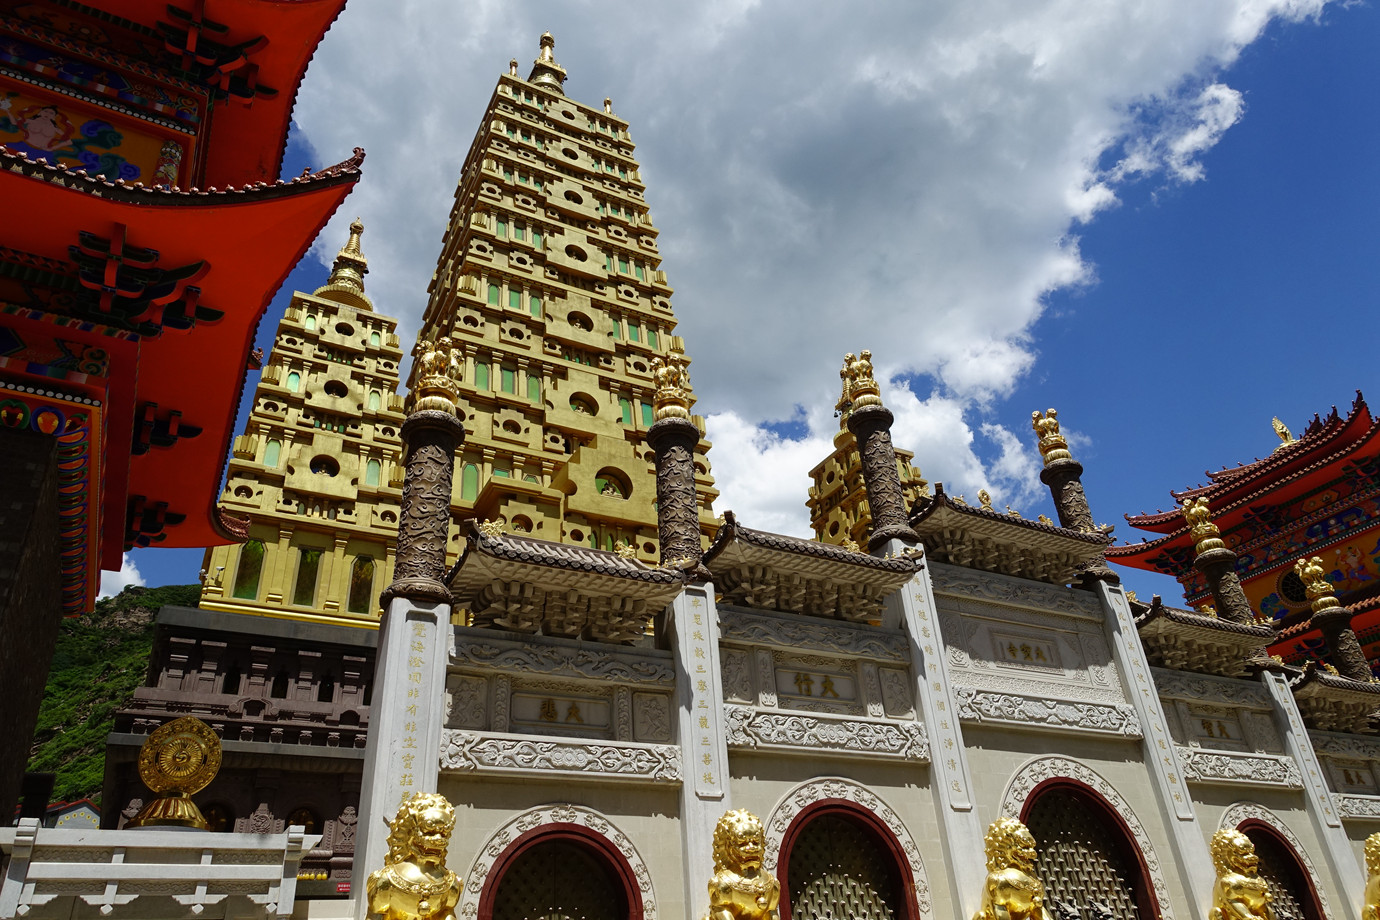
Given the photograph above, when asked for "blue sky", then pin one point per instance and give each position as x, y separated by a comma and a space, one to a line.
1164, 229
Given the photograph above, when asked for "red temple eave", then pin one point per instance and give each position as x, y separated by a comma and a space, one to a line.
252, 132
249, 240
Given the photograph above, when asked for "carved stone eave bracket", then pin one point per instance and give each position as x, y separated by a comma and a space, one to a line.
767, 571
1188, 641
1329, 702
992, 541
534, 586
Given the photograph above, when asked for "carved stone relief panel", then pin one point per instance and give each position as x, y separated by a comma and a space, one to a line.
651, 717
872, 689
1218, 713
766, 677
970, 584
1211, 726
1351, 777
467, 702
896, 693
817, 683
737, 677
1349, 762
561, 708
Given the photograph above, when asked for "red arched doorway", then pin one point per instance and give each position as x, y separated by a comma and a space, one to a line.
1294, 895
561, 872
838, 859
1088, 858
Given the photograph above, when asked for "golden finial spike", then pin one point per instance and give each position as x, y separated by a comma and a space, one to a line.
346, 284
545, 71
859, 386
985, 500
1053, 446
1205, 534
671, 398
1286, 437
1314, 578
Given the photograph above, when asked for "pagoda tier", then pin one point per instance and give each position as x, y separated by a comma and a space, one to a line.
128, 316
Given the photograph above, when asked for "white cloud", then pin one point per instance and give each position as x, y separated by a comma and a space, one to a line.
113, 582
900, 176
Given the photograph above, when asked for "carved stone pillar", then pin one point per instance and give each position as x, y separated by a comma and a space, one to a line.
1064, 476
1219, 568
678, 513
1342, 645
871, 425
419, 573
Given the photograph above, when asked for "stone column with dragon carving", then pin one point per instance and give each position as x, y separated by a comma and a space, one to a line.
1217, 563
402, 753
1334, 621
1064, 476
870, 423
673, 437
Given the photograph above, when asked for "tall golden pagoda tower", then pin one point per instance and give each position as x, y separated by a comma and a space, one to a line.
548, 282
318, 470
837, 500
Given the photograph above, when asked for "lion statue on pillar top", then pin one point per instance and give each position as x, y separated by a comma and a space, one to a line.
1011, 892
740, 889
1239, 893
414, 883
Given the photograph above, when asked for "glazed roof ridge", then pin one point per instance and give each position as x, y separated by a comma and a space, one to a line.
1332, 427
81, 180
574, 557
940, 497
1158, 610
732, 530
1312, 672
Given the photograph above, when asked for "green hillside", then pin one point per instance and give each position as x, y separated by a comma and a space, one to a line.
100, 659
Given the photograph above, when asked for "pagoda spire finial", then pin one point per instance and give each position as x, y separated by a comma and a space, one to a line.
346, 284
545, 71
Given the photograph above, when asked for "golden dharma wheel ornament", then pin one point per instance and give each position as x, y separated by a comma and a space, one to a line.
177, 761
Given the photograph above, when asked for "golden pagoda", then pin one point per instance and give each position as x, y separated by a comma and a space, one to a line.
549, 285
318, 469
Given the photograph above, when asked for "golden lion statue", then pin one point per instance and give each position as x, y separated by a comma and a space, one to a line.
1238, 894
414, 883
1370, 910
1011, 892
740, 890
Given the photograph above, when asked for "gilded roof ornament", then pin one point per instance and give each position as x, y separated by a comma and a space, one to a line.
438, 375
1314, 578
985, 500
491, 528
512, 67
608, 105
346, 283
1286, 437
176, 761
671, 398
859, 386
545, 71
625, 551
1053, 446
1205, 534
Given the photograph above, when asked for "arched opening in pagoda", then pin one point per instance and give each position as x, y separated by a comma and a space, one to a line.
1088, 858
839, 860
561, 872
1295, 898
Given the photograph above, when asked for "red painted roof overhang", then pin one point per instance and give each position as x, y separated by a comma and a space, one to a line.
250, 239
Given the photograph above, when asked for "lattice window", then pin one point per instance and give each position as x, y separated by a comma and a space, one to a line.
558, 881
1279, 868
838, 870
1084, 863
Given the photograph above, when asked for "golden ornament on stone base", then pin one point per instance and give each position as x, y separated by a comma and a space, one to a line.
1011, 892
1239, 893
177, 761
740, 888
414, 883
1370, 906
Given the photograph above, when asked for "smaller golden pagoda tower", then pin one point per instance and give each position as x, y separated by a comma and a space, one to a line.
318, 469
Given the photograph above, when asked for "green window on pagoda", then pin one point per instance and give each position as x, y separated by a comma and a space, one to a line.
530, 478
534, 388
634, 332
608, 263
623, 172
374, 338
519, 232
361, 585
505, 474
507, 175
537, 183
271, 452
647, 414
594, 541
622, 265
493, 294
375, 399
625, 406
294, 381
617, 329
308, 568
512, 132
508, 379
502, 228
522, 177
469, 482
311, 321
371, 472
536, 238
250, 567
651, 336
637, 270
481, 375
534, 304
514, 299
